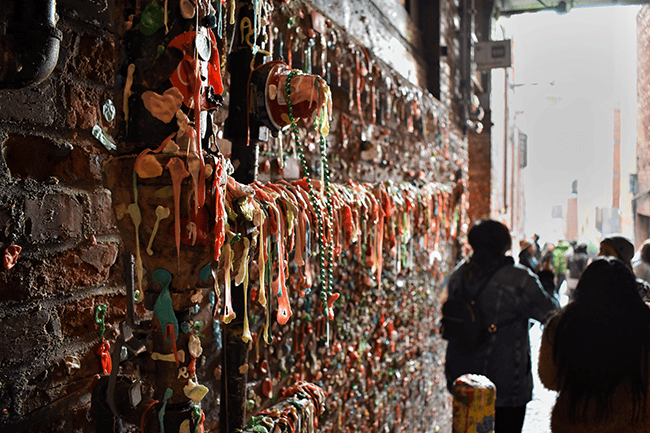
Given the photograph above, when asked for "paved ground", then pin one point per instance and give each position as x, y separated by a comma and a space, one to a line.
538, 411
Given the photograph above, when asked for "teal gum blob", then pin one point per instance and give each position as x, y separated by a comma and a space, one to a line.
163, 308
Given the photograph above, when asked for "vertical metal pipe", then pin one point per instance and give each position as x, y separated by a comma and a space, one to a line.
506, 115
29, 47
244, 132
466, 31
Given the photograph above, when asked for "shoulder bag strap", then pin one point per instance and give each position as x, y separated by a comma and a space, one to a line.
483, 286
495, 325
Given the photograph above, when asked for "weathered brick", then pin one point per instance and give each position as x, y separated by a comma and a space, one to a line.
70, 270
14, 285
27, 280
84, 106
643, 150
40, 158
35, 105
27, 336
101, 257
480, 174
103, 221
78, 318
53, 217
643, 121
95, 13
45, 420
29, 156
94, 59
63, 272
80, 166
6, 223
50, 388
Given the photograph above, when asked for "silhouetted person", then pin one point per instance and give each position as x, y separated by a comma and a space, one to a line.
559, 263
621, 248
595, 352
527, 255
538, 250
642, 266
510, 295
576, 264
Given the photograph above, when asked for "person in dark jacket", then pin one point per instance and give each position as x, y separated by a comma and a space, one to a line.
623, 249
619, 247
576, 263
512, 295
527, 255
538, 250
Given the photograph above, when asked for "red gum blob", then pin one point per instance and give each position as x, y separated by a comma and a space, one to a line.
11, 256
178, 172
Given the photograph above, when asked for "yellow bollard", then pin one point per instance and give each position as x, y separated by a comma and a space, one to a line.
474, 397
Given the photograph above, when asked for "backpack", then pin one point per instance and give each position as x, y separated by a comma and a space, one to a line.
463, 321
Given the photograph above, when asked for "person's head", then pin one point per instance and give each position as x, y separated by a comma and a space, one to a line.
619, 247
535, 237
645, 251
580, 248
489, 237
608, 282
525, 244
603, 338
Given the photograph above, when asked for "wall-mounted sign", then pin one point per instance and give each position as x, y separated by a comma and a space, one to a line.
556, 211
492, 54
523, 150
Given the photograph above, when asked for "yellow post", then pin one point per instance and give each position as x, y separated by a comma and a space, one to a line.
474, 397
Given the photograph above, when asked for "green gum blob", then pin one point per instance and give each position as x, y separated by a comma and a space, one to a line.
152, 19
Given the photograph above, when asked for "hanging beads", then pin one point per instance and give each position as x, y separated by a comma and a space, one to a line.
325, 239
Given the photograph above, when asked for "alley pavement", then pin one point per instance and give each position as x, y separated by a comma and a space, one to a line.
538, 411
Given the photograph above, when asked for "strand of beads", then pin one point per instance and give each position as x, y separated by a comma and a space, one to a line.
325, 267
330, 215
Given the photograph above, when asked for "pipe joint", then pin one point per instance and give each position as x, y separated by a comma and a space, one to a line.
29, 49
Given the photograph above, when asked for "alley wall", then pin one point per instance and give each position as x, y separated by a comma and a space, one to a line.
64, 282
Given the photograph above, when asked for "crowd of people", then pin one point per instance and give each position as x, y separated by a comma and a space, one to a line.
595, 350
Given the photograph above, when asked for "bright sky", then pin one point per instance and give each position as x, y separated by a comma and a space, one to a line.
574, 71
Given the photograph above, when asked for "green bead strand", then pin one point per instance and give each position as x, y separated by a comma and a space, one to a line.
325, 257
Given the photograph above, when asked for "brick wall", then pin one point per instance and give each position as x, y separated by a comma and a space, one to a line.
479, 175
643, 72
56, 208
53, 206
643, 123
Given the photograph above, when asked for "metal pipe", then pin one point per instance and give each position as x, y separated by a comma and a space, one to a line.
29, 43
245, 133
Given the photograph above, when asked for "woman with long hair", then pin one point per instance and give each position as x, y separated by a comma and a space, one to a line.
595, 352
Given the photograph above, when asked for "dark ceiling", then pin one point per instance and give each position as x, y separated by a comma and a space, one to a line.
512, 7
